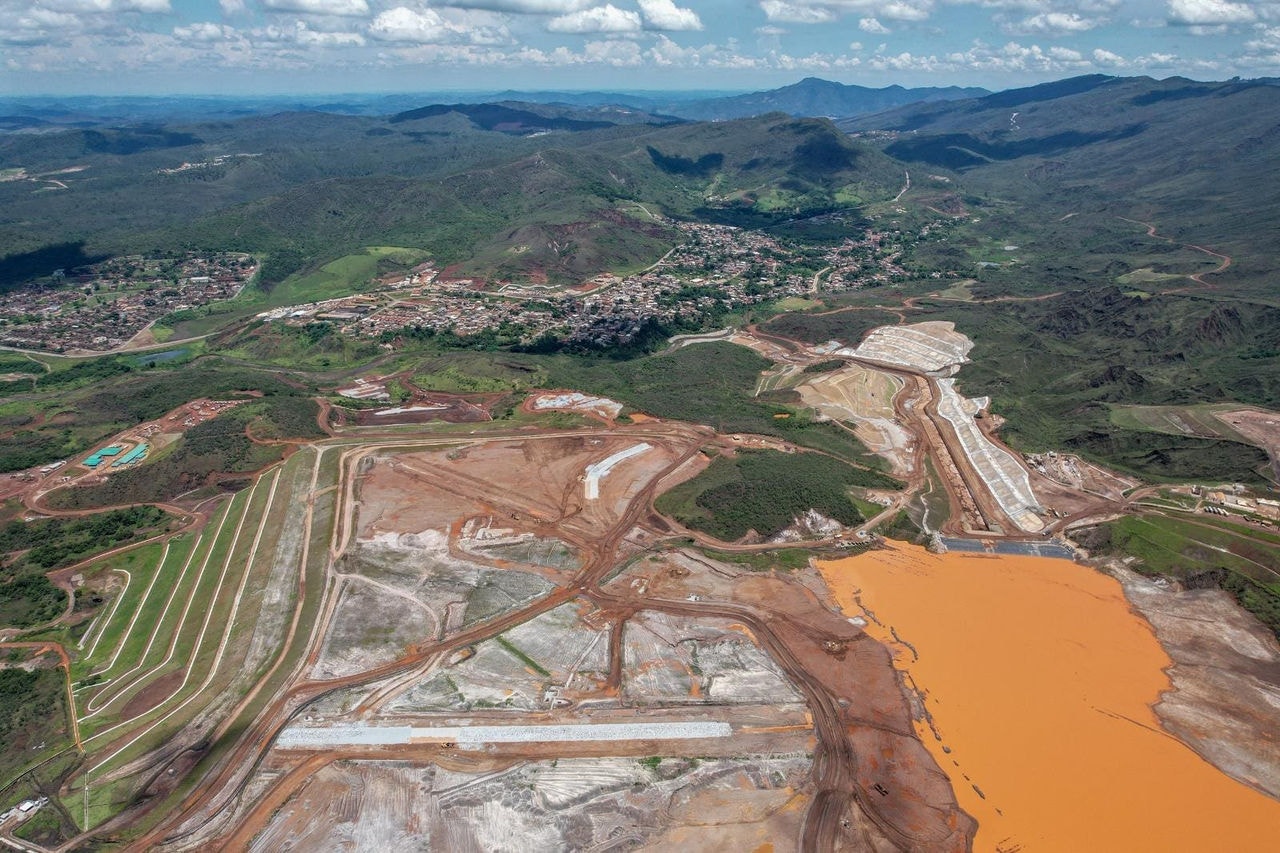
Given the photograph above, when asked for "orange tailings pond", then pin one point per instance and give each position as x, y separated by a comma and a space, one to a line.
1039, 681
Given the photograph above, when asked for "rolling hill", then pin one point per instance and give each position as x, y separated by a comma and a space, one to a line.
569, 210
1199, 161
815, 97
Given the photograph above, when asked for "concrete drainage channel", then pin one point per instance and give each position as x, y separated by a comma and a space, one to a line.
475, 736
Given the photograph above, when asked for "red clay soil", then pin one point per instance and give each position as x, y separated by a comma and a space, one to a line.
152, 695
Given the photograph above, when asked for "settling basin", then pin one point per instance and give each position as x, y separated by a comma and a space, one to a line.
1039, 682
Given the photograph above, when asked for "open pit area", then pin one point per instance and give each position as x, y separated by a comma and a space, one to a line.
563, 804
863, 397
601, 408
931, 347
503, 651
423, 636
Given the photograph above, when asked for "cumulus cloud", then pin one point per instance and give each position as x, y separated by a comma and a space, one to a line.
915, 10
666, 15
100, 6
1210, 12
427, 26
31, 23
1107, 59
410, 25
203, 32
1053, 24
524, 7
343, 8
231, 7
825, 11
872, 25
600, 19
796, 13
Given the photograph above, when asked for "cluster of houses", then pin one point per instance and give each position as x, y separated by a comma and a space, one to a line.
103, 306
714, 267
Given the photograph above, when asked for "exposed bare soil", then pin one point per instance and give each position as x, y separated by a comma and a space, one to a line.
1260, 427
1225, 700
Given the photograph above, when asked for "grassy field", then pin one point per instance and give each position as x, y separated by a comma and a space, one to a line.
285, 657
1205, 551
1196, 420
149, 641
81, 403
345, 276
476, 373
848, 327
27, 596
781, 560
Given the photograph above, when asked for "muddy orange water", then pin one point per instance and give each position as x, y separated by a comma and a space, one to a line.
1040, 680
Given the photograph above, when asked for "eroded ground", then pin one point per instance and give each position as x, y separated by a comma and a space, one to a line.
490, 640
502, 622
1225, 678
564, 804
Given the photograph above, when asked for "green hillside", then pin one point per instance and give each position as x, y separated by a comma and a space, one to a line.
316, 186
1197, 160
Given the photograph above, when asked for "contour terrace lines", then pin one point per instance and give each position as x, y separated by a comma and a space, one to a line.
365, 735
1004, 477
599, 470
930, 347
997, 485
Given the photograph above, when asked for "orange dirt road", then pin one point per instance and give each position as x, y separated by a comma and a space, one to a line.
1039, 680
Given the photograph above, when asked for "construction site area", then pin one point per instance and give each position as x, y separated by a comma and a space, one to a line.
407, 635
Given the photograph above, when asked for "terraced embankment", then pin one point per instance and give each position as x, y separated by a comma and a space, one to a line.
188, 634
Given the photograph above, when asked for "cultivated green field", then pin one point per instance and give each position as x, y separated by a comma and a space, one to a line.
1197, 420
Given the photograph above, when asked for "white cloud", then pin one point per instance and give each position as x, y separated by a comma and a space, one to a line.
427, 26
1265, 39
306, 35
872, 25
615, 52
666, 15
344, 8
1107, 59
33, 23
203, 32
524, 7
915, 10
1210, 12
232, 7
411, 25
1053, 24
826, 11
796, 13
601, 19
102, 6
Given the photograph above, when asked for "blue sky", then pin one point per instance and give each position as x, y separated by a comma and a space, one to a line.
305, 46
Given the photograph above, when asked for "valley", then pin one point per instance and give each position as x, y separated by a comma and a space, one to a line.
577, 478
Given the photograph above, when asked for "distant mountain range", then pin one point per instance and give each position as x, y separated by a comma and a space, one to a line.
818, 98
809, 97
1200, 160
